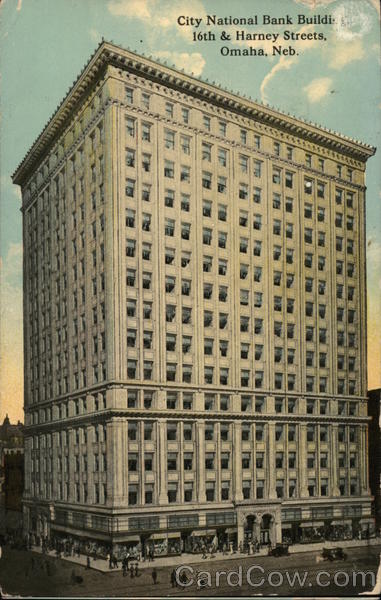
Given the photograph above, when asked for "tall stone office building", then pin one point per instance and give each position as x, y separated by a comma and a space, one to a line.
195, 316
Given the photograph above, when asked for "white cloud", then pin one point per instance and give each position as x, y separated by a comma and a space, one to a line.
132, 9
353, 19
285, 63
95, 35
9, 187
344, 53
191, 63
314, 3
158, 14
318, 89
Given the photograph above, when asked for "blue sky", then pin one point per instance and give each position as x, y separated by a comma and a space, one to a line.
44, 44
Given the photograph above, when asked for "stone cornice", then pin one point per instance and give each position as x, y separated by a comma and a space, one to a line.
109, 54
177, 415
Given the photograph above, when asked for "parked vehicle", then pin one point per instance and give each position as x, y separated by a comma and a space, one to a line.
279, 550
332, 554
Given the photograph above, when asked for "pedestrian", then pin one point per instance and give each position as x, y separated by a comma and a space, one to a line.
124, 566
136, 570
173, 578
87, 562
114, 561
132, 571
109, 558
154, 575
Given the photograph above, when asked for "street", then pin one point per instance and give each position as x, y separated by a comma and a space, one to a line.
27, 573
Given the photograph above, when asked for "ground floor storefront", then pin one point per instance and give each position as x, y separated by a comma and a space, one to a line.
246, 528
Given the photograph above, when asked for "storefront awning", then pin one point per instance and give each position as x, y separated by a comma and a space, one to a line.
203, 532
230, 530
313, 524
173, 534
157, 536
131, 538
286, 526
342, 522
367, 521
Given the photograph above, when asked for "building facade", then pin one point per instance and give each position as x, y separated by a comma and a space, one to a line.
195, 311
374, 411
11, 475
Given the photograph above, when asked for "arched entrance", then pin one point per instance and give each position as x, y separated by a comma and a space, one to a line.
266, 529
251, 529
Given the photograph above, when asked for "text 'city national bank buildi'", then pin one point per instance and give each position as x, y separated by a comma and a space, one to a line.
194, 317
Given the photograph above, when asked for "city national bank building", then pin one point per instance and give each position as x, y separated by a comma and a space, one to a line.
194, 318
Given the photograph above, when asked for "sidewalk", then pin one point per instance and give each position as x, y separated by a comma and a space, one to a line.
186, 559
102, 565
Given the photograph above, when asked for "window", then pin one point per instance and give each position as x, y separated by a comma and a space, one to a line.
222, 239
185, 114
129, 94
185, 144
146, 132
185, 231
289, 205
276, 201
308, 235
310, 383
308, 210
222, 157
257, 168
206, 180
130, 188
258, 326
169, 109
145, 99
146, 222
206, 152
276, 175
289, 177
147, 339
186, 315
257, 195
320, 189
257, 248
224, 345
222, 128
146, 190
243, 192
169, 169
130, 157
130, 127
185, 173
206, 122
131, 275
308, 186
169, 227
243, 163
